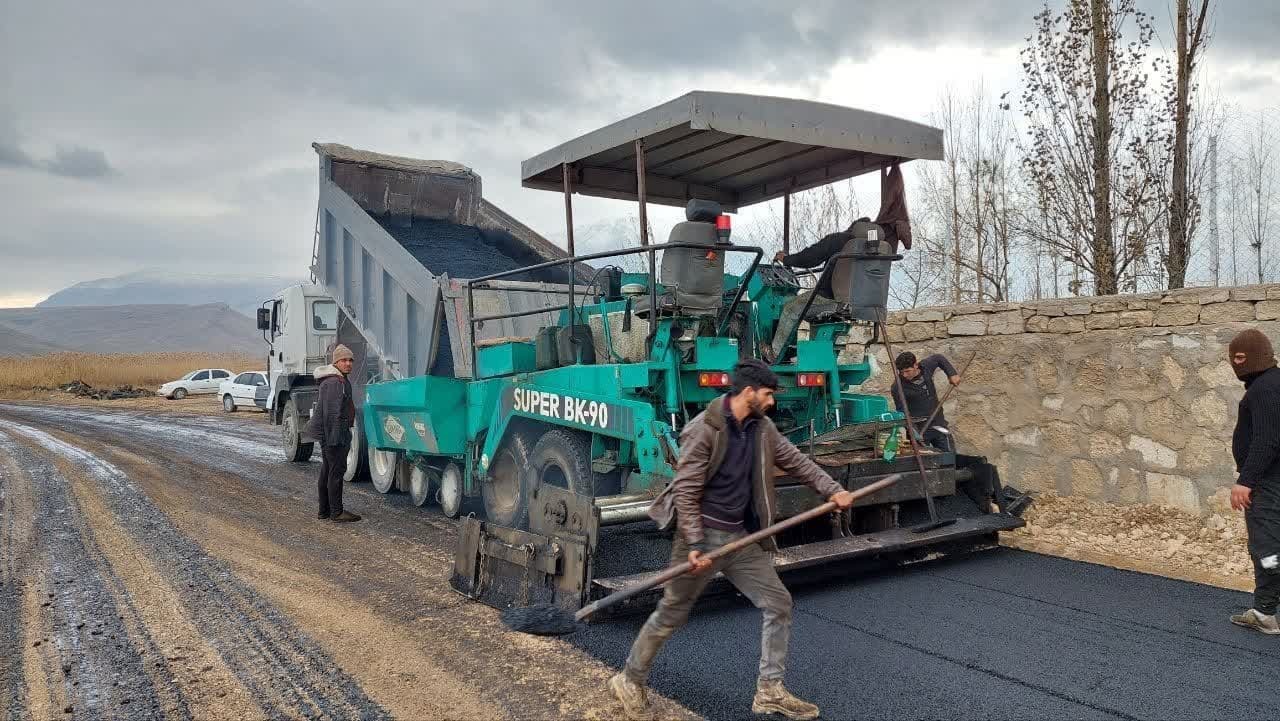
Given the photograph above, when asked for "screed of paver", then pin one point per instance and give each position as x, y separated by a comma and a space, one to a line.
210, 688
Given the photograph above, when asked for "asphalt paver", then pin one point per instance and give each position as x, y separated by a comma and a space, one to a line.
997, 635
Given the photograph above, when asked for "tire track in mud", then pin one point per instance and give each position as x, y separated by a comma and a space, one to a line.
285, 673
66, 639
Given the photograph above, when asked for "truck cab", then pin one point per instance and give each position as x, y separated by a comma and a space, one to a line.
300, 325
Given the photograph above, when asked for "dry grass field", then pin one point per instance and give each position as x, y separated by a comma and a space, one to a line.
145, 370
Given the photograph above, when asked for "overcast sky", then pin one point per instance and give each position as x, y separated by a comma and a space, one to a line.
137, 134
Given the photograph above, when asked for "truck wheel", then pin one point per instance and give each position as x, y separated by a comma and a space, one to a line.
179, 394
357, 459
228, 404
561, 458
382, 469
421, 481
506, 501
291, 430
450, 493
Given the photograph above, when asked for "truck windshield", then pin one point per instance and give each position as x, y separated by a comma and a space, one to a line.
324, 315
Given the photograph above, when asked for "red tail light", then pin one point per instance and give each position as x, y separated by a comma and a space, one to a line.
713, 380
722, 222
811, 380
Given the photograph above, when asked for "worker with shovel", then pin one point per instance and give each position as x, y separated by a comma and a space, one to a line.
722, 490
1256, 448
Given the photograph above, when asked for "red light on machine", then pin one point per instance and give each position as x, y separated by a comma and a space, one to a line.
723, 228
713, 380
811, 380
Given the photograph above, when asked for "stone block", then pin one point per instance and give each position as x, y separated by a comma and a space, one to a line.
1172, 372
1219, 375
1185, 342
1102, 321
940, 330
1086, 479
1228, 312
1092, 375
1173, 315
914, 332
1046, 374
897, 317
1249, 292
1267, 310
1051, 403
1210, 411
1203, 453
916, 316
1173, 491
1007, 322
893, 333
967, 325
1105, 446
968, 309
1123, 486
1273, 292
1082, 307
1062, 438
1110, 304
1027, 311
1137, 319
1184, 296
1051, 310
1220, 295
1068, 324
1116, 418
1028, 437
1037, 324
1153, 453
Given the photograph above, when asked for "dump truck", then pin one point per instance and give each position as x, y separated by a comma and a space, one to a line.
555, 436
391, 234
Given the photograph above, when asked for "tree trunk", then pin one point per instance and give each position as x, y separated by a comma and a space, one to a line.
1104, 251
1178, 249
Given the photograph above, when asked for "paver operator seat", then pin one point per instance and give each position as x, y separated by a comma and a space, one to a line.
694, 277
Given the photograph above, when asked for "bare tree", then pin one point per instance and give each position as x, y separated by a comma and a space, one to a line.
1191, 42
1255, 197
1095, 135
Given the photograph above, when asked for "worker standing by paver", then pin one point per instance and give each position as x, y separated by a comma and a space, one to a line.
1256, 447
723, 490
330, 426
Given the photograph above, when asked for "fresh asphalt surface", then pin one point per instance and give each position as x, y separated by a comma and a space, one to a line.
999, 635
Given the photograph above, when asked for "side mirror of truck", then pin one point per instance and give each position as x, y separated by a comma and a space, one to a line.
264, 319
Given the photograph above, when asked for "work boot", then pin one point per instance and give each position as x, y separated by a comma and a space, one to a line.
322, 516
346, 517
773, 697
1258, 621
632, 697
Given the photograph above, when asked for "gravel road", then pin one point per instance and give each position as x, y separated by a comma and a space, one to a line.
164, 565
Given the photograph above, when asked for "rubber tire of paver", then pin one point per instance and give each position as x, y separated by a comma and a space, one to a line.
228, 403
421, 481
357, 459
449, 495
179, 393
382, 469
506, 500
561, 458
295, 449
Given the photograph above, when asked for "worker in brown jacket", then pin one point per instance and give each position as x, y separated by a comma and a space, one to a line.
723, 490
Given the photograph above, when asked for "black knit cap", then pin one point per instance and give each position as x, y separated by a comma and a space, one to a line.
755, 374
1258, 354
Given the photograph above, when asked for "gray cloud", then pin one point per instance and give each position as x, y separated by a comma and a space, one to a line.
79, 162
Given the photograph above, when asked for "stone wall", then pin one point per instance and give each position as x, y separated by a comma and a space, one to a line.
1125, 399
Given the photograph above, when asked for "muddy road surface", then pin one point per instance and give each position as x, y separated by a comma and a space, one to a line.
159, 565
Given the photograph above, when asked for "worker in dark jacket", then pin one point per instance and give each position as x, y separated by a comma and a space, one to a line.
812, 257
1256, 447
922, 394
723, 490
330, 426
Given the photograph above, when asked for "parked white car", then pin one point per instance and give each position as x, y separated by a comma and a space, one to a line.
203, 381
240, 391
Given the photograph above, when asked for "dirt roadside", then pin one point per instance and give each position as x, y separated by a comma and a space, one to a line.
203, 405
370, 600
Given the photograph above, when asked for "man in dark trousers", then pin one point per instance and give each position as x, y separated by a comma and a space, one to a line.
723, 490
922, 398
922, 394
1256, 447
330, 426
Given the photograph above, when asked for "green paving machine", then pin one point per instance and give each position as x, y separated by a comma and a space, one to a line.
557, 441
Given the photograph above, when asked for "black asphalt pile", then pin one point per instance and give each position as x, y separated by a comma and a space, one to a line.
631, 548
84, 390
999, 635
464, 251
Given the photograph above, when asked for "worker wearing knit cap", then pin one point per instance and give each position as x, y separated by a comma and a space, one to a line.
330, 425
1256, 447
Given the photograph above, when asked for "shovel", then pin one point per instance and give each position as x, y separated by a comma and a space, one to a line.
549, 620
